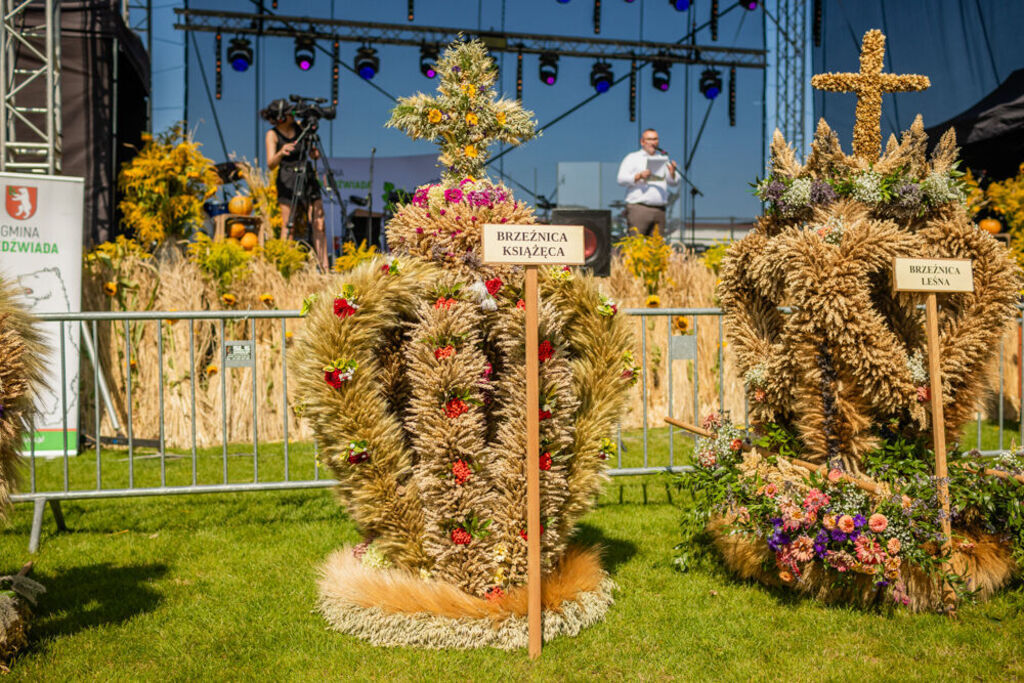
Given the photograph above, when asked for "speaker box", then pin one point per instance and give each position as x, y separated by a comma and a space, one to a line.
597, 235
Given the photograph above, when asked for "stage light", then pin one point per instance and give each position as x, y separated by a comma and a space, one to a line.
428, 61
732, 96
305, 53
601, 76
680, 5
749, 5
240, 54
710, 84
563, 2
660, 75
367, 63
218, 76
548, 70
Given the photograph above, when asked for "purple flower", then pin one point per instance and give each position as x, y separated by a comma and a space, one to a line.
453, 195
774, 190
778, 540
776, 522
882, 584
909, 195
838, 536
859, 520
822, 193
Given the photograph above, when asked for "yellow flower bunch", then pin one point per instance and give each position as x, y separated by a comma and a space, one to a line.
434, 116
352, 256
165, 185
646, 258
470, 151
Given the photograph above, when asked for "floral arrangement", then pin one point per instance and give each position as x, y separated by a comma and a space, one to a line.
165, 185
897, 191
810, 522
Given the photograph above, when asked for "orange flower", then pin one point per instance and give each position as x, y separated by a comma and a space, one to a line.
785, 575
110, 288
846, 524
472, 119
470, 151
211, 370
229, 299
878, 523
434, 116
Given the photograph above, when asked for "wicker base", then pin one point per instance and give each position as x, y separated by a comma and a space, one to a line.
390, 607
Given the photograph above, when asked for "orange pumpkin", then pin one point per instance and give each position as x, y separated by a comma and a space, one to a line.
240, 205
249, 241
236, 229
990, 225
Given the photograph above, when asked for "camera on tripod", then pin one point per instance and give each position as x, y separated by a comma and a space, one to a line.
311, 108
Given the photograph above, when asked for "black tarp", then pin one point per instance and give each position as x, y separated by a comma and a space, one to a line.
991, 133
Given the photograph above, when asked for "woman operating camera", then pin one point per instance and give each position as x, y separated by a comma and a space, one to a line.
284, 154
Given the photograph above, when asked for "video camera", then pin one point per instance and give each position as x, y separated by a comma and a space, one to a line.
311, 108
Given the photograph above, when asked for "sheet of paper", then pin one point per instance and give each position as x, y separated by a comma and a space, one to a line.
656, 165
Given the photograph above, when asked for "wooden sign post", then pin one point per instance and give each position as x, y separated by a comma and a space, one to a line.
932, 276
530, 246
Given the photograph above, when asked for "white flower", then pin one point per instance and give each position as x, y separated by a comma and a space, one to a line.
489, 304
915, 364
867, 188
798, 194
940, 188
479, 292
373, 557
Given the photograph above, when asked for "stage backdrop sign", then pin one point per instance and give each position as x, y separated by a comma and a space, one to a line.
41, 250
353, 177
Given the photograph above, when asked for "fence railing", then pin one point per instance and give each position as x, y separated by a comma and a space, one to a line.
179, 393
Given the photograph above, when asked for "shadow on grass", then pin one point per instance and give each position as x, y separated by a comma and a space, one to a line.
614, 551
98, 595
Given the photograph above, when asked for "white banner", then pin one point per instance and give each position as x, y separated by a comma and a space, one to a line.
41, 249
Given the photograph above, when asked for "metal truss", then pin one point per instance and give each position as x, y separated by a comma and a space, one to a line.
790, 72
30, 105
515, 43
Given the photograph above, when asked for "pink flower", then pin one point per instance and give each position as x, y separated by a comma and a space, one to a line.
878, 523
868, 550
835, 475
707, 459
742, 515
815, 500
924, 394
803, 548
770, 490
829, 522
760, 395
893, 546
846, 524
453, 196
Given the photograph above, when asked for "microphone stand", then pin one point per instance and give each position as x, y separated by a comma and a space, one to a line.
694, 193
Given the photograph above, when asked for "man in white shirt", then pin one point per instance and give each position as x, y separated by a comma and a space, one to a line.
646, 197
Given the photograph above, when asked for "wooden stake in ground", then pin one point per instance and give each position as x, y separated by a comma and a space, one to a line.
531, 245
931, 276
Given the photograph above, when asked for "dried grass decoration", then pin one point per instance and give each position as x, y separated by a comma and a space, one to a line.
847, 365
21, 371
411, 374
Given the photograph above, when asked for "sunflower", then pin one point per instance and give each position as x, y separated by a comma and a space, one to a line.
267, 299
211, 370
472, 119
110, 288
470, 151
653, 301
229, 299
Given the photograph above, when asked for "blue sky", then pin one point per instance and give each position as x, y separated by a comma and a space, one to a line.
726, 160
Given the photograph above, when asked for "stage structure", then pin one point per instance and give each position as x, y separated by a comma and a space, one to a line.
74, 86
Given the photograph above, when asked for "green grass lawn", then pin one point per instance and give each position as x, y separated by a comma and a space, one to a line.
215, 587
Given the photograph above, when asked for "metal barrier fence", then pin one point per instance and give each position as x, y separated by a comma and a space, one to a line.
707, 380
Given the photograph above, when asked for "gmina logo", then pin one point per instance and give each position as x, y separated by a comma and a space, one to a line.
21, 201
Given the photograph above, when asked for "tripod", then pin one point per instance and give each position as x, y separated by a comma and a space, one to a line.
308, 141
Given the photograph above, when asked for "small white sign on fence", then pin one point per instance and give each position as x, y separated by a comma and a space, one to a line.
238, 354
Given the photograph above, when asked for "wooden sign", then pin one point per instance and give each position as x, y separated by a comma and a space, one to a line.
533, 245
932, 275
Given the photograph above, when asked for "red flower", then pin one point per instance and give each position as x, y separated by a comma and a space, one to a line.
343, 308
627, 374
544, 351
523, 532
444, 303
486, 374
461, 471
736, 445
494, 285
460, 536
545, 461
494, 594
455, 407
760, 395
356, 458
924, 394
444, 352
545, 414
385, 268
520, 304
333, 377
